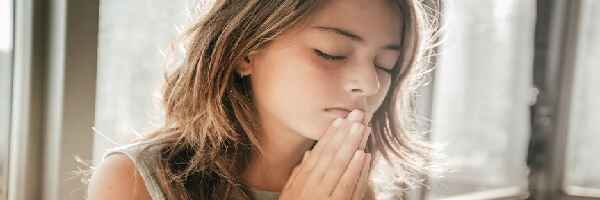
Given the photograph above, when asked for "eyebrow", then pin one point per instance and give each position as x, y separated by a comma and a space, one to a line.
355, 37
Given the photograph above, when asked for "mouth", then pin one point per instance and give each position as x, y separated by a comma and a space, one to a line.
338, 112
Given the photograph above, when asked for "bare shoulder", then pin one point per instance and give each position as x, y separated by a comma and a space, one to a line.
117, 178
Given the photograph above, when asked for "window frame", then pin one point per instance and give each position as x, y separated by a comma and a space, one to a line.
25, 110
557, 32
54, 65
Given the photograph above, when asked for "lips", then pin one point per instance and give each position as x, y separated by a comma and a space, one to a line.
338, 112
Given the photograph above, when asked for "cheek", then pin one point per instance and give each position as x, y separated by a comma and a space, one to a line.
291, 76
290, 88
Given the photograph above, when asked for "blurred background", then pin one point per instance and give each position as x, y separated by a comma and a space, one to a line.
514, 99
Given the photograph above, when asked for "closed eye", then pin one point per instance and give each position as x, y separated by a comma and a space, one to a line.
327, 56
334, 58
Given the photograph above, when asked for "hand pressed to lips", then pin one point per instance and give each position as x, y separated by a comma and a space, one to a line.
337, 163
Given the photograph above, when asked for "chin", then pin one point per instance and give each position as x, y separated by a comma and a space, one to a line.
311, 134
314, 127
311, 130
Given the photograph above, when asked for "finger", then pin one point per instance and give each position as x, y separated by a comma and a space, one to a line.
367, 118
354, 116
347, 183
303, 162
339, 163
293, 178
329, 134
317, 163
363, 142
338, 134
361, 188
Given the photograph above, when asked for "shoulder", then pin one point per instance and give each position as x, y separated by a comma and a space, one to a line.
117, 178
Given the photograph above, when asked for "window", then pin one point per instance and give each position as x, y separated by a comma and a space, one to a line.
481, 95
6, 29
129, 66
481, 98
582, 164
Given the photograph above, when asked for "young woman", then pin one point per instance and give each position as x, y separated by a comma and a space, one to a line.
281, 99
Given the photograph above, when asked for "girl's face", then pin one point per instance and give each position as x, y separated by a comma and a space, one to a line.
336, 62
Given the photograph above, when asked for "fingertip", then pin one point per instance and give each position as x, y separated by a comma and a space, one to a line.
337, 122
356, 115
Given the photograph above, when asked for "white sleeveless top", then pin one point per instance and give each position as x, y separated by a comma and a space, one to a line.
144, 166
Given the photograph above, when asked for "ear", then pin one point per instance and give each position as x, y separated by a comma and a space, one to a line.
245, 66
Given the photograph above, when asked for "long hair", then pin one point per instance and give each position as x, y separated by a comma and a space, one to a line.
210, 118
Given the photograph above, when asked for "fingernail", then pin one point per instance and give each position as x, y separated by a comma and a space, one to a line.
356, 129
355, 115
337, 122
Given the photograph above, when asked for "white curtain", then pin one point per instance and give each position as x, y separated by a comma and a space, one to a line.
481, 96
582, 163
133, 35
5, 89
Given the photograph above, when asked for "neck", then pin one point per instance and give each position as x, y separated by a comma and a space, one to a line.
283, 149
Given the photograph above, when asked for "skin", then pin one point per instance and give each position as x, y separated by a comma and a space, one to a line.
290, 76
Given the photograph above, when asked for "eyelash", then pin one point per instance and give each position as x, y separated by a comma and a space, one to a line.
335, 58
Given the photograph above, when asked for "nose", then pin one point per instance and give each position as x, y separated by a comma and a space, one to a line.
362, 80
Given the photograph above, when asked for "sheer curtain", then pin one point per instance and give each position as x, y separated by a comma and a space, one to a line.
6, 28
482, 95
582, 163
133, 36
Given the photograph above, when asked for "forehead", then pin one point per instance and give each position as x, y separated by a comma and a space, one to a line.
375, 20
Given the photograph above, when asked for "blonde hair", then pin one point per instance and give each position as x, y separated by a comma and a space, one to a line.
210, 122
